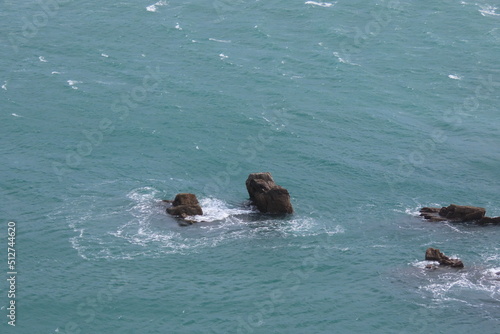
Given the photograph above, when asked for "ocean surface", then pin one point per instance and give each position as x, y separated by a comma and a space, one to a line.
364, 110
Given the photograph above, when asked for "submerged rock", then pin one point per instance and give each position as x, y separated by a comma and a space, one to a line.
458, 214
433, 254
185, 205
490, 220
266, 195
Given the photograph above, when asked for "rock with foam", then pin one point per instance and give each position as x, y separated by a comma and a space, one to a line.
458, 214
185, 205
266, 195
434, 254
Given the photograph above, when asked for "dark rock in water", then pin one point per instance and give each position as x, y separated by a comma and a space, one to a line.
458, 214
490, 220
185, 210
431, 214
266, 195
462, 213
185, 205
433, 254
185, 199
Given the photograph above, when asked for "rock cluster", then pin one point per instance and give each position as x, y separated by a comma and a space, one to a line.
266, 195
433, 254
458, 214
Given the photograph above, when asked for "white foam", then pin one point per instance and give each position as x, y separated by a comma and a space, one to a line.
220, 40
217, 210
72, 83
413, 211
337, 230
138, 226
42, 59
423, 264
488, 10
154, 7
493, 272
104, 55
55, 72
223, 56
342, 60
16, 115
4, 86
321, 4
178, 26
454, 77
446, 284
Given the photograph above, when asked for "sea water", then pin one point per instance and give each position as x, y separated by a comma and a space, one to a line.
364, 110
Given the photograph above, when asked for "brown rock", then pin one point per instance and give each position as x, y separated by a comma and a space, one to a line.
185, 210
431, 214
462, 213
185, 205
266, 195
429, 210
490, 220
185, 199
458, 214
433, 254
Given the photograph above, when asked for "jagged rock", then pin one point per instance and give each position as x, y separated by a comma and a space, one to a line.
266, 195
458, 213
431, 214
462, 213
185, 205
433, 254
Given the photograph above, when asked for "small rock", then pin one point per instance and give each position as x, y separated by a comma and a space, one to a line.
267, 196
185, 205
433, 254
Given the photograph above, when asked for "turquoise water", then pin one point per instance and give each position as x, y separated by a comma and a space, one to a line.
364, 111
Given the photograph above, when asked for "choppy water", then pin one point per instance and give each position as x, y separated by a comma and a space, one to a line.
364, 111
